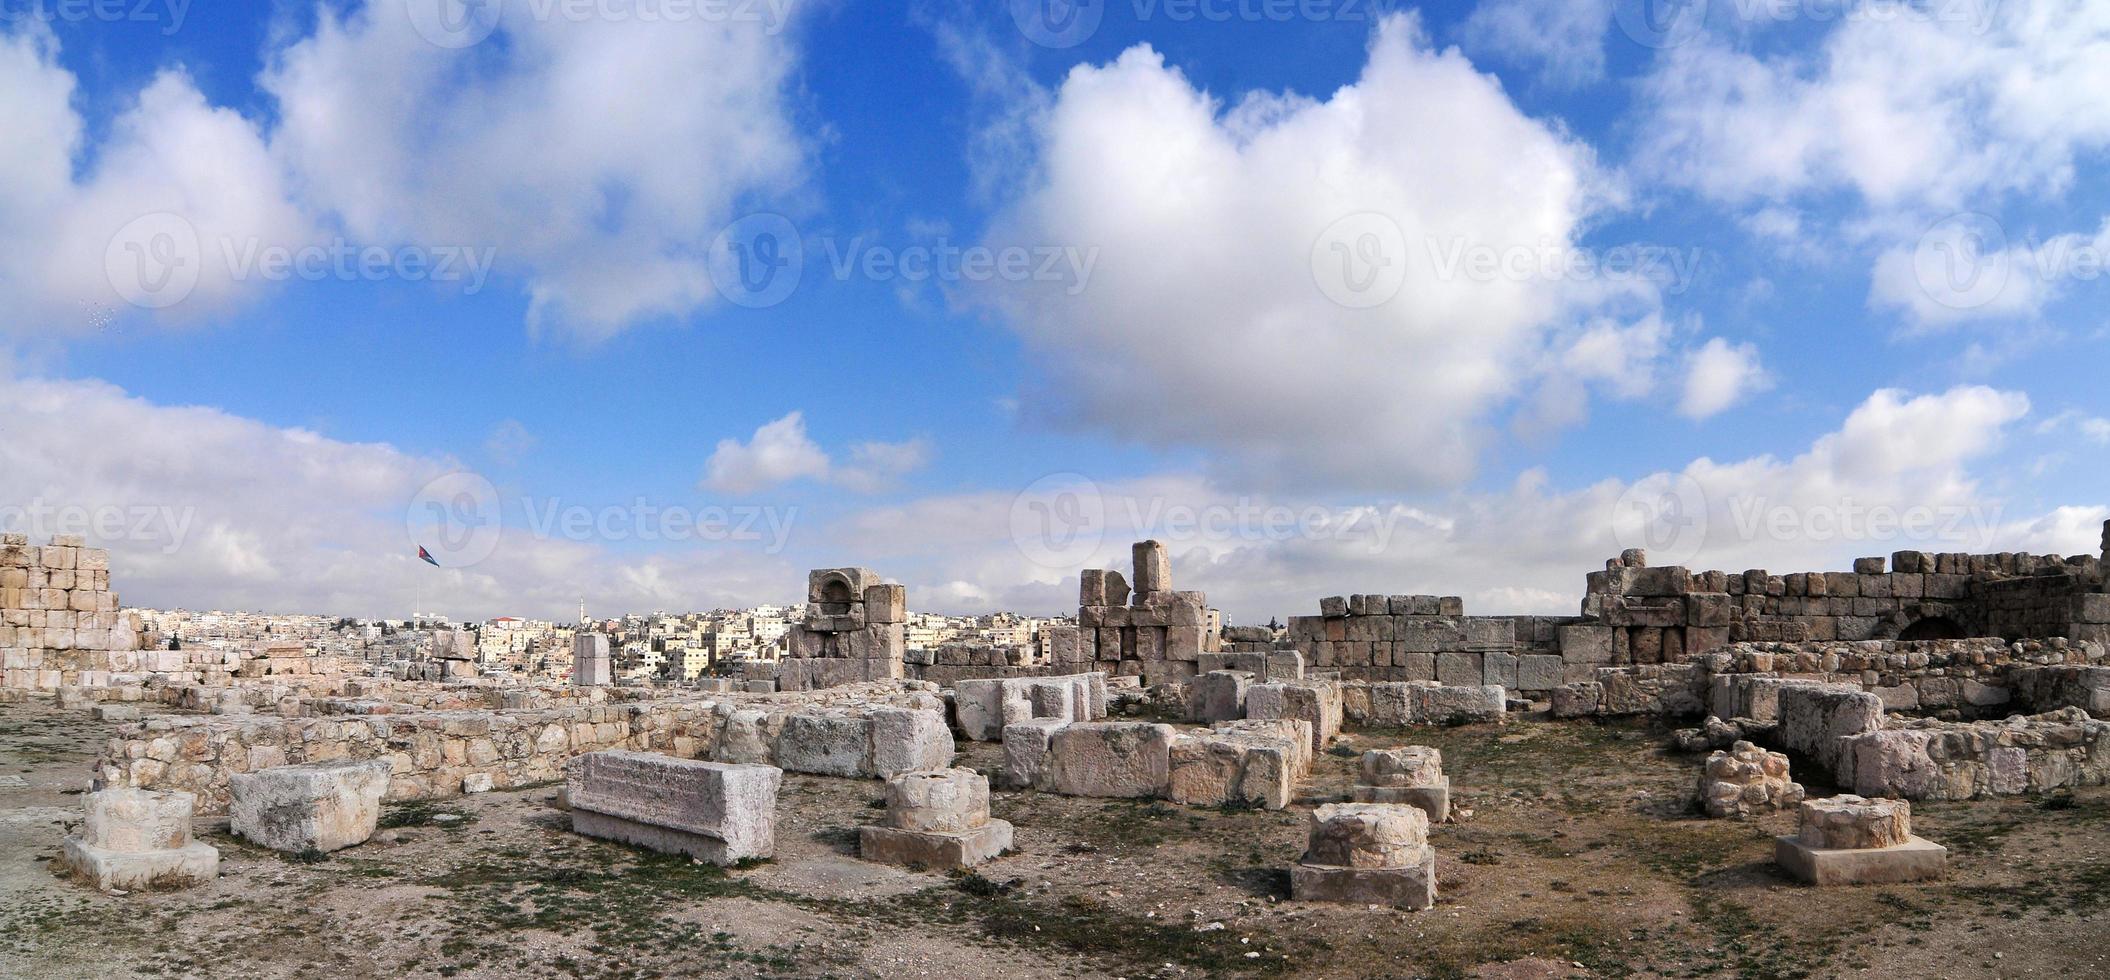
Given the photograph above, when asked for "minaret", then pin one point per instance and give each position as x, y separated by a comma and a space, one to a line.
582, 610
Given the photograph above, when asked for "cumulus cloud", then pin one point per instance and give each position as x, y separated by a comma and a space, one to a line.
1562, 40
544, 148
1968, 268
1392, 291
1718, 375
780, 452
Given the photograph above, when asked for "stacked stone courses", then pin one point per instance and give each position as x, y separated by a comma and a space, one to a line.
60, 625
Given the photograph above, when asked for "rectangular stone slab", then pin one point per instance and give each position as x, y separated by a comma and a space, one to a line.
734, 805
1410, 887
1918, 859
932, 850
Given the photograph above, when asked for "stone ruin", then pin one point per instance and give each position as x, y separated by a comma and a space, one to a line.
134, 840
1367, 853
1411, 775
936, 820
309, 809
855, 630
1141, 629
715, 812
1848, 840
590, 664
1745, 780
60, 625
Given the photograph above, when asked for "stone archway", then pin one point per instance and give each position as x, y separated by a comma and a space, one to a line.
1933, 628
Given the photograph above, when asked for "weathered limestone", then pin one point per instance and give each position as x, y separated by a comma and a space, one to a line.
1028, 748
1815, 720
1411, 703
60, 625
713, 811
1747, 780
1316, 704
1367, 853
937, 820
305, 809
985, 706
1110, 758
1850, 840
1249, 763
1412, 775
1219, 695
854, 631
1925, 759
590, 665
134, 840
1154, 633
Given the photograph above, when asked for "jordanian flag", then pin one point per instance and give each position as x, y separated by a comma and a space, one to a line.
426, 556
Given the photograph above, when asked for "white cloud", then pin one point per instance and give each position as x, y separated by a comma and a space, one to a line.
1719, 375
1216, 230
1968, 268
509, 442
594, 158
780, 452
1563, 40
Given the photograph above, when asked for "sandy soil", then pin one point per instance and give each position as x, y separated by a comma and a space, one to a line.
1578, 854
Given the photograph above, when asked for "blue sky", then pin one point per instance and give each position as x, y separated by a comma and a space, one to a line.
1798, 180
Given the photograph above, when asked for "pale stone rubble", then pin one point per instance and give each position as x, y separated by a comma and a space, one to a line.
1374, 853
721, 813
936, 820
983, 708
308, 809
1252, 762
1747, 780
1850, 840
134, 840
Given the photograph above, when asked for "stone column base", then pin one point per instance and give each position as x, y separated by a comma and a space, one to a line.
1918, 859
1409, 887
932, 850
1433, 800
665, 840
191, 864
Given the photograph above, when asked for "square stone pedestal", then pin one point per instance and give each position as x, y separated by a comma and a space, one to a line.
177, 867
1409, 887
1918, 859
1432, 800
934, 850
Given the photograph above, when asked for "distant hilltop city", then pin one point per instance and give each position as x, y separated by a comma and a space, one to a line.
651, 647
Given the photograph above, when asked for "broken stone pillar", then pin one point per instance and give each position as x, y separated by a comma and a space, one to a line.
1849, 840
1153, 569
1747, 780
1367, 854
937, 820
134, 840
712, 811
1412, 775
302, 809
590, 665
1318, 704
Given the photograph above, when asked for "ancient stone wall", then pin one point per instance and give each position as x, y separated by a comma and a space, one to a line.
1429, 638
1146, 630
60, 625
855, 630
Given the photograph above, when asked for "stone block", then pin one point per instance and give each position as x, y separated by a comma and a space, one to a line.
1366, 835
712, 811
1499, 669
1412, 765
1434, 704
935, 850
133, 866
1853, 822
1917, 859
1333, 607
1538, 672
908, 740
945, 800
300, 809
1586, 644
1409, 887
1219, 695
1318, 705
1153, 567
1247, 762
134, 821
825, 743
1816, 719
1458, 668
590, 664
886, 603
1027, 748
1110, 759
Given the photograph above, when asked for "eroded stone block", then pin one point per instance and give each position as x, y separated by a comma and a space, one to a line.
298, 809
713, 811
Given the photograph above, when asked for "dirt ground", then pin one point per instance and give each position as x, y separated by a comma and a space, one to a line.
1577, 853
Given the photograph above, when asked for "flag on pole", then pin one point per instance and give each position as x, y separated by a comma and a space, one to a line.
427, 557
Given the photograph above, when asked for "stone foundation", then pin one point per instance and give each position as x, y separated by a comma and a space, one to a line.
936, 820
1367, 854
309, 809
1848, 840
134, 841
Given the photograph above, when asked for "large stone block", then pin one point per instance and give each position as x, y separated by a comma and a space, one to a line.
1586, 644
1112, 759
1028, 748
713, 811
1412, 886
826, 743
1318, 705
1853, 822
908, 740
886, 603
1816, 719
299, 809
1367, 835
1218, 696
1917, 859
136, 840
590, 664
935, 850
1246, 762
1153, 567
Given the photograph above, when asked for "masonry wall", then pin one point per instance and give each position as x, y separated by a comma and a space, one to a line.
60, 625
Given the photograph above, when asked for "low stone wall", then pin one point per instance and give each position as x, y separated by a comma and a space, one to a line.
1407, 704
1669, 690
1972, 676
1925, 759
436, 752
